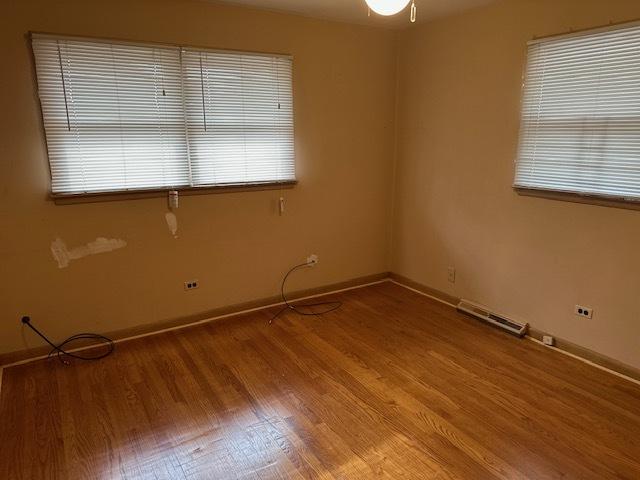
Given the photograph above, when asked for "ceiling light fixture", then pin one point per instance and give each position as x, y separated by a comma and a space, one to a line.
391, 7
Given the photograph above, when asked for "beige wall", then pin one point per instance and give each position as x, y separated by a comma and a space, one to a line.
235, 244
460, 81
458, 113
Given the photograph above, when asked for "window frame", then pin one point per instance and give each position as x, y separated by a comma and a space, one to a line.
63, 198
589, 198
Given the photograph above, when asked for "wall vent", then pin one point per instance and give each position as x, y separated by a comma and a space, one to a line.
500, 321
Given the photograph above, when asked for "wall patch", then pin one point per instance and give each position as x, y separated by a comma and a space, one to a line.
63, 255
172, 223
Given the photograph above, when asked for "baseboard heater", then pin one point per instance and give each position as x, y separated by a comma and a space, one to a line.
478, 311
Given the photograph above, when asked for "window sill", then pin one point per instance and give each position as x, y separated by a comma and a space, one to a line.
69, 199
585, 198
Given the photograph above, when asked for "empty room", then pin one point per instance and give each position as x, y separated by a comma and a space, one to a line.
320, 239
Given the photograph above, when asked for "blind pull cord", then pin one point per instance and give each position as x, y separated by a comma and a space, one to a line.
204, 110
64, 88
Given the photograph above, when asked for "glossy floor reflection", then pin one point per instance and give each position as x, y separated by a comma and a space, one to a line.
393, 385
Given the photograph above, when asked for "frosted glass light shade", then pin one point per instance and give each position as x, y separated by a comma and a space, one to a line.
387, 7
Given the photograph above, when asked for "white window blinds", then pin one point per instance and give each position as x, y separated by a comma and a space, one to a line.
121, 117
239, 116
580, 130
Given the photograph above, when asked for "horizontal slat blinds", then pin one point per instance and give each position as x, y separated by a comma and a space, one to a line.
122, 116
113, 115
239, 116
580, 128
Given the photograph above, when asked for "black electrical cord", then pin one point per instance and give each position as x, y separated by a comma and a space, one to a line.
62, 353
296, 308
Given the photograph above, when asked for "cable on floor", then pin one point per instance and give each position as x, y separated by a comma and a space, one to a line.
63, 354
331, 306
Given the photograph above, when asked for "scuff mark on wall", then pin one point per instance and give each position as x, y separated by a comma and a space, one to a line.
172, 223
100, 245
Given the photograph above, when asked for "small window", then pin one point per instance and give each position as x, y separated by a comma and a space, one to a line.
128, 117
580, 130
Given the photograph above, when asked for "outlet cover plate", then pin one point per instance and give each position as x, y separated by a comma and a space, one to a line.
451, 274
584, 312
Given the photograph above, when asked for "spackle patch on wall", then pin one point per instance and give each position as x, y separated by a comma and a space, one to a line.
63, 255
172, 223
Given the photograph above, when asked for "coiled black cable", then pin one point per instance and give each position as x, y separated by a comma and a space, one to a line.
296, 308
62, 353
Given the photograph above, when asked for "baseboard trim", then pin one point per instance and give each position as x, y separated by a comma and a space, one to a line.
565, 347
589, 356
417, 287
578, 352
30, 355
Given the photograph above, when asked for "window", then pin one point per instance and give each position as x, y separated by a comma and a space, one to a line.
580, 130
127, 117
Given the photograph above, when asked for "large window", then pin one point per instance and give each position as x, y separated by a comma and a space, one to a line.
580, 129
125, 117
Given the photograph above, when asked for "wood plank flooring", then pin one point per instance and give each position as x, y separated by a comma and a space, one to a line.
391, 386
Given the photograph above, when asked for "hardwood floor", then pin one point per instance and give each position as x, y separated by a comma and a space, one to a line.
393, 385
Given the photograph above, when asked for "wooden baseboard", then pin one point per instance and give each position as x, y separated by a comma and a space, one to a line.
584, 353
7, 359
564, 345
432, 292
589, 355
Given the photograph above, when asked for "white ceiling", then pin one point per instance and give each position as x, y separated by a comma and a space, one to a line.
355, 11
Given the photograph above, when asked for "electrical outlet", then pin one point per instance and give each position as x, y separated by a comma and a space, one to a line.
586, 312
312, 260
548, 340
451, 274
191, 284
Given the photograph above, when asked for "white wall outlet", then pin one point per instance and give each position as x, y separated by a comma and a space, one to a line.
451, 274
312, 260
191, 284
585, 312
548, 340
